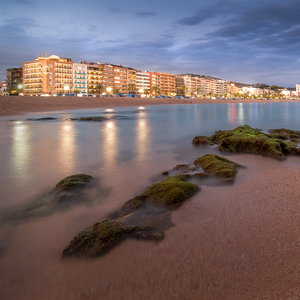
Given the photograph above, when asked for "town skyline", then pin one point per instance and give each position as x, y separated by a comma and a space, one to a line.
242, 41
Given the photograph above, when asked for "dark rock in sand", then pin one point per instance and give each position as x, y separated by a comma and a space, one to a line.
218, 166
99, 239
75, 189
41, 119
147, 215
283, 133
202, 140
251, 140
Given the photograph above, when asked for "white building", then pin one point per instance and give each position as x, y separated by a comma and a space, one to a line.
80, 78
298, 89
142, 82
286, 93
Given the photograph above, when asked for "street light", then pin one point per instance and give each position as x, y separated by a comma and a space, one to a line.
20, 86
66, 88
109, 89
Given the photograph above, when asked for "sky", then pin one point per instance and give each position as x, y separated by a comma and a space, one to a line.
237, 40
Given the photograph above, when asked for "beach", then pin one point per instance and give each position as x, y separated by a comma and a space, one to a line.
16, 105
238, 241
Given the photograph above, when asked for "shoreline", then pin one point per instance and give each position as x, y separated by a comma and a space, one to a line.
19, 105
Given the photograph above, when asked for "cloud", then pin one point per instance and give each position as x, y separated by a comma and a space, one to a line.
92, 28
144, 14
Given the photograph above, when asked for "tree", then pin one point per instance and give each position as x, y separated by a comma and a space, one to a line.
115, 91
131, 88
181, 90
146, 92
156, 89
99, 88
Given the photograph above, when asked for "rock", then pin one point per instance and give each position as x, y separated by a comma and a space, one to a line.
202, 140
252, 140
74, 189
218, 166
283, 133
99, 239
41, 119
96, 119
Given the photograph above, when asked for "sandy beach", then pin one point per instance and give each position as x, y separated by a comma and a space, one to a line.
229, 242
16, 105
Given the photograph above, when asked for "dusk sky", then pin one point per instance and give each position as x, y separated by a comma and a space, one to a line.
238, 40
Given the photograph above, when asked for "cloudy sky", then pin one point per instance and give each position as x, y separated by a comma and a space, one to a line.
239, 40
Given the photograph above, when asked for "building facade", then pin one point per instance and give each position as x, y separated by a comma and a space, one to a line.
47, 75
80, 78
14, 78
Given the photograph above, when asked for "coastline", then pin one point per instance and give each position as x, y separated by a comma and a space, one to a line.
18, 105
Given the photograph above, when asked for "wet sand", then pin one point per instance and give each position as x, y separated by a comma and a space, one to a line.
231, 242
16, 105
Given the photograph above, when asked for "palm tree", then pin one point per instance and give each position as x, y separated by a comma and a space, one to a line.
131, 88
156, 89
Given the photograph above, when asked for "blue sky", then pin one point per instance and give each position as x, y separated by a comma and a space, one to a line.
238, 40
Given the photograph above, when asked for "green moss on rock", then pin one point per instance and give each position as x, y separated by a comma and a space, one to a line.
96, 119
171, 192
99, 239
202, 140
286, 133
251, 140
218, 166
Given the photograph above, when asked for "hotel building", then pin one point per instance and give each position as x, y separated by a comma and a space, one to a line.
142, 82
47, 75
94, 78
80, 78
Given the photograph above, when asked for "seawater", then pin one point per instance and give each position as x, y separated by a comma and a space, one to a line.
126, 152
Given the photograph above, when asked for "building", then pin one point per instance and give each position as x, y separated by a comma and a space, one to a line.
131, 80
47, 75
120, 76
298, 89
14, 80
94, 78
80, 78
3, 88
143, 82
167, 84
180, 87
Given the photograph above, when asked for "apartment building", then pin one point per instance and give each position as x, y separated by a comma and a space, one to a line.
131, 80
47, 75
80, 78
154, 78
3, 88
94, 78
179, 82
14, 77
120, 74
143, 82
167, 84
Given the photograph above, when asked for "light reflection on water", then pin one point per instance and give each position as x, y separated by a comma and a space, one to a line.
67, 146
21, 152
142, 135
110, 142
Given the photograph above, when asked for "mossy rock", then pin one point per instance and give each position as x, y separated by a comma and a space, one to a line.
218, 166
171, 192
96, 119
99, 239
252, 140
41, 119
202, 140
287, 133
73, 181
